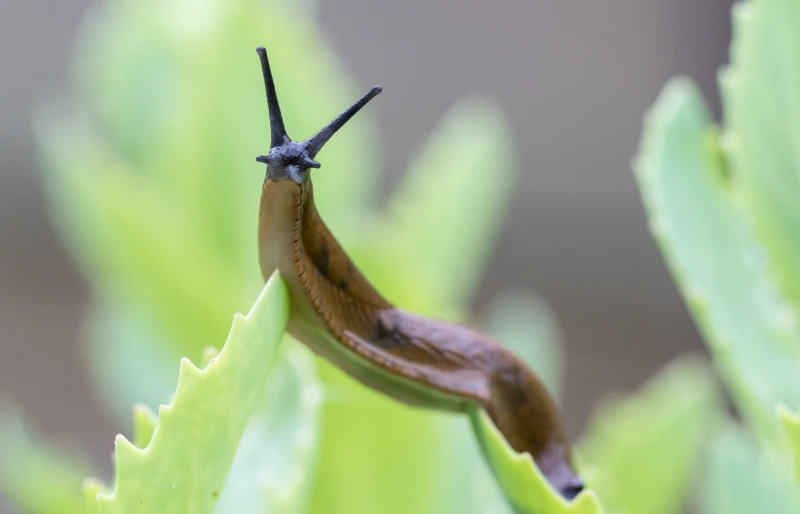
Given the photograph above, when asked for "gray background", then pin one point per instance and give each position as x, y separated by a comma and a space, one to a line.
574, 78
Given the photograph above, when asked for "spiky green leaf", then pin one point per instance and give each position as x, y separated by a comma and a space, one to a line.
717, 262
184, 465
761, 97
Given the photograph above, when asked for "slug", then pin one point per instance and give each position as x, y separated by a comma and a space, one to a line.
336, 312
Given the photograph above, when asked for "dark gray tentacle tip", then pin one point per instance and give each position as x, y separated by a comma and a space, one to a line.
308, 162
315, 143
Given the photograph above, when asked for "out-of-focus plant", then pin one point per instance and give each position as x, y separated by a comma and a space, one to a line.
38, 476
151, 181
723, 206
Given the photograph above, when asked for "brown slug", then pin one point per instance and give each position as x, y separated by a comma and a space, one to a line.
336, 312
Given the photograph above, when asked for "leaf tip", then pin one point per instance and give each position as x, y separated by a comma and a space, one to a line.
125, 450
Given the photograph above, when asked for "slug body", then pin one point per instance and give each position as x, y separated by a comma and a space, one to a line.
337, 313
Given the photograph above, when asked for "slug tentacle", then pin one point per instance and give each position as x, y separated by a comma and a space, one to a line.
336, 312
278, 131
289, 159
315, 143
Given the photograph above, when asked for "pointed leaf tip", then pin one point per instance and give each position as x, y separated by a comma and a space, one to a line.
199, 432
144, 424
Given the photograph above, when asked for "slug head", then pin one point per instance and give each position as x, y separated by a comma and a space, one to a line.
289, 159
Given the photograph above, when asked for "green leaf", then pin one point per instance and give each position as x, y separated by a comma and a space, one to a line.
184, 466
761, 97
378, 455
209, 352
526, 489
523, 322
484, 492
639, 452
738, 479
791, 429
144, 424
275, 458
277, 453
717, 263
91, 488
38, 477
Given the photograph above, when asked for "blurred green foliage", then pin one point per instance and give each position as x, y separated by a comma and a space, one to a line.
38, 476
722, 206
149, 173
738, 480
666, 423
719, 264
791, 426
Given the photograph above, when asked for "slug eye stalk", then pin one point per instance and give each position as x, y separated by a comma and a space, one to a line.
288, 159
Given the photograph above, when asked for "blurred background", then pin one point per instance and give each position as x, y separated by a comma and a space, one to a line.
573, 78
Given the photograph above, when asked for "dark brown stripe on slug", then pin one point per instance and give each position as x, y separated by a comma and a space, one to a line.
322, 257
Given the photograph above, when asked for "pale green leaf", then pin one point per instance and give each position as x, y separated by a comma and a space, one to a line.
478, 492
761, 97
718, 264
791, 429
276, 457
738, 479
38, 477
91, 488
209, 352
144, 424
639, 452
378, 455
184, 466
526, 489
